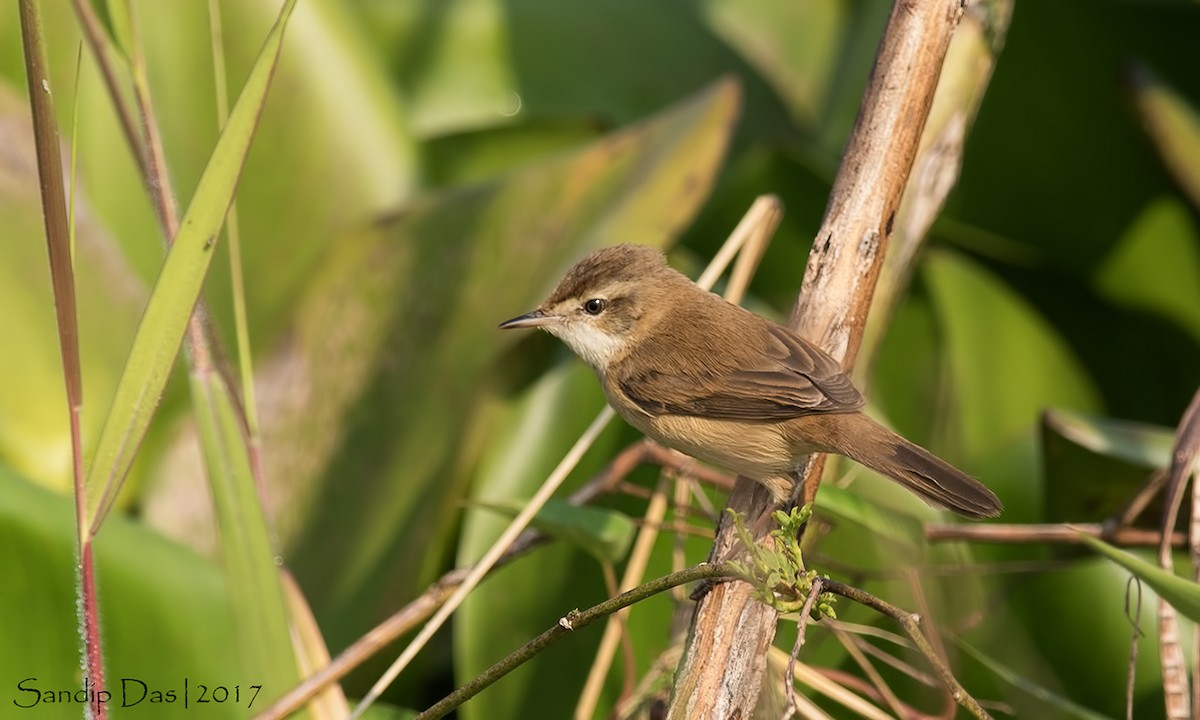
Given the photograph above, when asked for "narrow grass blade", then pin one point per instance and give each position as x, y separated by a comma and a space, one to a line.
259, 608
156, 344
1183, 595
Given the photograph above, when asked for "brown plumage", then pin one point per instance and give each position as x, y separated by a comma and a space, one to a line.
718, 382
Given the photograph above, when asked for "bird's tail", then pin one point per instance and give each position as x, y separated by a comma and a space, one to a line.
934, 480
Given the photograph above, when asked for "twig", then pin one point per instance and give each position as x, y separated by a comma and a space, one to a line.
789, 683
1057, 533
912, 627
854, 646
422, 607
616, 628
574, 620
819, 681
1134, 616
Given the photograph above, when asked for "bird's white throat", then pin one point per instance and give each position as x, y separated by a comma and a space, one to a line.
594, 346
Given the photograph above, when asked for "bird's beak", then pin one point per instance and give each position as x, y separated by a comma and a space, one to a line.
537, 318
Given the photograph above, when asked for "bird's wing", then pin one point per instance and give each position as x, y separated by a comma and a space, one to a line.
792, 377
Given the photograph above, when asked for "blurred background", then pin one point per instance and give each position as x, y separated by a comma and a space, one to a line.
425, 170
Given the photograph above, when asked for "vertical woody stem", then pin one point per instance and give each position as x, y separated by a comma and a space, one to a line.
722, 667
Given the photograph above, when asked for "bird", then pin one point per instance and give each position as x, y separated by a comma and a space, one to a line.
722, 384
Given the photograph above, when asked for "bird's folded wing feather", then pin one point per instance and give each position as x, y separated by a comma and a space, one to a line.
788, 378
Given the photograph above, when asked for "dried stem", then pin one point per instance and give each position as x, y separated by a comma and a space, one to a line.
421, 608
62, 278
573, 621
789, 685
912, 627
1176, 696
1056, 533
722, 666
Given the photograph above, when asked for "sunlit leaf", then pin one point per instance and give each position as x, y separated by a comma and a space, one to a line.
160, 332
903, 532
1146, 445
1156, 265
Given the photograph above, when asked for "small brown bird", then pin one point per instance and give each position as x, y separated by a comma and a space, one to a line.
716, 381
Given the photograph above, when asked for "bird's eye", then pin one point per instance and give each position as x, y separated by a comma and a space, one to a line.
595, 306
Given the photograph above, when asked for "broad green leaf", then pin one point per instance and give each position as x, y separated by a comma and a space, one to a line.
34, 430
1094, 465
1174, 126
466, 65
1183, 595
995, 343
603, 534
165, 611
156, 344
260, 612
399, 334
1146, 445
799, 68
1156, 265
335, 144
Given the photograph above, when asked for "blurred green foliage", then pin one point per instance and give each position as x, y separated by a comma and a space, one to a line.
426, 169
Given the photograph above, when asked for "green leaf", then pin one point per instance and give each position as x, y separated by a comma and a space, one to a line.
1174, 126
1139, 443
398, 334
603, 534
530, 433
1183, 595
156, 344
1093, 465
35, 437
1155, 267
995, 342
164, 609
260, 613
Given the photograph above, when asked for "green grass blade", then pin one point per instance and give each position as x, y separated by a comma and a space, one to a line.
259, 608
156, 344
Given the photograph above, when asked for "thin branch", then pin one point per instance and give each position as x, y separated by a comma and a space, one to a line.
62, 278
421, 608
1057, 533
789, 684
1176, 695
574, 620
912, 627
854, 646
1133, 613
616, 628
